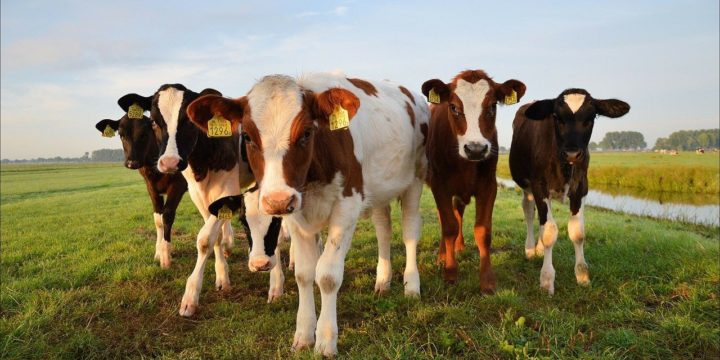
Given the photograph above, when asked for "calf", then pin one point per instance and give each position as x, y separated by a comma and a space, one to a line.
140, 146
462, 150
214, 173
549, 155
316, 168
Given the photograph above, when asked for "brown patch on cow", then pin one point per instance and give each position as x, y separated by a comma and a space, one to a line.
253, 148
324, 104
407, 93
204, 108
410, 112
472, 76
424, 131
365, 86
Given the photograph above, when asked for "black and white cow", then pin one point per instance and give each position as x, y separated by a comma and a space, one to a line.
140, 145
549, 154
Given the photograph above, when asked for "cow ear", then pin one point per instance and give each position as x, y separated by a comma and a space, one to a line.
102, 124
145, 102
611, 108
437, 86
326, 102
540, 110
510, 92
206, 107
210, 91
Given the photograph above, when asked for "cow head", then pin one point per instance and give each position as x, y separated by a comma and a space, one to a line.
177, 134
138, 139
279, 122
471, 101
574, 113
262, 232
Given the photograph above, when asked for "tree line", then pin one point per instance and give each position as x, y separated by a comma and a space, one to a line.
689, 140
102, 155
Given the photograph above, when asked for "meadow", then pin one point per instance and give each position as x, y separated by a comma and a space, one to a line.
651, 172
78, 281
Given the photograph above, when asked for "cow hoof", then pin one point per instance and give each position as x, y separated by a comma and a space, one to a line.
326, 348
274, 294
412, 284
302, 341
547, 280
382, 287
222, 285
529, 253
187, 308
540, 249
582, 274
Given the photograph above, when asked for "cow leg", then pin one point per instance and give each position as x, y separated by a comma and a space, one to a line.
484, 203
459, 210
576, 233
285, 235
306, 255
159, 228
227, 238
383, 232
330, 269
206, 238
411, 223
528, 204
450, 228
277, 278
168, 219
222, 276
548, 236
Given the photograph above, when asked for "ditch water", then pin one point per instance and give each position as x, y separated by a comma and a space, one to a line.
701, 209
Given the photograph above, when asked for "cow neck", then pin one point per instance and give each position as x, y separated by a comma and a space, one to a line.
219, 154
333, 153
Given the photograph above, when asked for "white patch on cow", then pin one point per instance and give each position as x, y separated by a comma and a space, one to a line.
528, 205
259, 224
169, 103
472, 96
574, 101
274, 103
549, 236
576, 233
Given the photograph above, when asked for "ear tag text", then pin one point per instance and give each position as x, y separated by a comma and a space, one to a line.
224, 213
512, 99
433, 97
135, 111
218, 126
108, 132
339, 119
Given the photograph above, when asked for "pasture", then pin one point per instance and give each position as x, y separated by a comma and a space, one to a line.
684, 173
79, 281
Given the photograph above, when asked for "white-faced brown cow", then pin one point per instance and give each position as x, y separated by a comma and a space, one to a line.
462, 150
140, 145
317, 177
549, 155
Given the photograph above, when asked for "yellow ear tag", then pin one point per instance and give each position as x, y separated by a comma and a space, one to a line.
512, 99
135, 111
224, 213
108, 132
433, 97
218, 126
339, 119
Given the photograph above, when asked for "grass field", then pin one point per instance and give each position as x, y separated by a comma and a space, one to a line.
78, 280
685, 173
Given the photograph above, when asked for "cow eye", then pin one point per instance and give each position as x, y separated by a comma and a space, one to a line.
454, 110
246, 138
492, 110
305, 137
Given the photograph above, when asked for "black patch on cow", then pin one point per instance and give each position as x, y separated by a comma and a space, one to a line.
232, 202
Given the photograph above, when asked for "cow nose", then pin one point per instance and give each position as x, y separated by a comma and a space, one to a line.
168, 164
573, 155
132, 164
279, 203
475, 150
259, 263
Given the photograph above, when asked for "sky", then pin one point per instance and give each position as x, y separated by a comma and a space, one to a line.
64, 64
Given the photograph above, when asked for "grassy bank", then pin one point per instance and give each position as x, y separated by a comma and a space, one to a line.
685, 173
79, 281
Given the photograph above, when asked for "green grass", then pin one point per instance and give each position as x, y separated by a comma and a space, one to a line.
648, 172
78, 280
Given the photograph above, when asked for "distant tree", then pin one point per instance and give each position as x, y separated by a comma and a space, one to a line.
593, 145
690, 140
623, 140
108, 155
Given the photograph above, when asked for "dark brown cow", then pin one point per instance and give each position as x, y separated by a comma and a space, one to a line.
140, 145
462, 154
549, 154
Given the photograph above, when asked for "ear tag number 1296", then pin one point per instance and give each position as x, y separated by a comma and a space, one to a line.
218, 126
339, 119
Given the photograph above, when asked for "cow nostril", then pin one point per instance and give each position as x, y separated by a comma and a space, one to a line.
484, 149
467, 148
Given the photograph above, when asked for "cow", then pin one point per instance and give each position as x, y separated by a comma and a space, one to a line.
140, 146
462, 151
549, 155
324, 148
215, 175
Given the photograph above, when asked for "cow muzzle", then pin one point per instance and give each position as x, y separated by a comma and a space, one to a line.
260, 263
573, 156
132, 164
279, 203
168, 164
476, 151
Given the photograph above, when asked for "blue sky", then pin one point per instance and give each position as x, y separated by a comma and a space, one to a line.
64, 64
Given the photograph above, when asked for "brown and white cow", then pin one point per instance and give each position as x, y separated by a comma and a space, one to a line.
140, 145
462, 150
549, 155
316, 177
